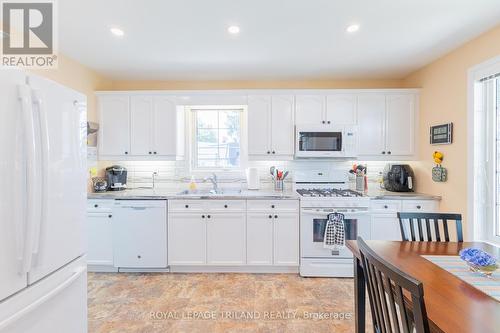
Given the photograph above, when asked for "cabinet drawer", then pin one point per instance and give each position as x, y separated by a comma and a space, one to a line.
419, 206
386, 206
99, 205
185, 205
226, 205
273, 205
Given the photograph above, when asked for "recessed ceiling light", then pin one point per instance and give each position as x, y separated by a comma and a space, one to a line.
117, 32
234, 29
352, 28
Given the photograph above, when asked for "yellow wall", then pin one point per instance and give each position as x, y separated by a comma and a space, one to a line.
78, 77
312, 84
443, 99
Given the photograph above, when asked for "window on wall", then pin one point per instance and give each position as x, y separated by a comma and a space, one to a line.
496, 110
216, 142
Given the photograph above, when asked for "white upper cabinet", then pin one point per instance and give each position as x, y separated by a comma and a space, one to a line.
270, 127
282, 133
371, 124
168, 127
140, 127
141, 118
259, 125
310, 109
386, 126
114, 132
400, 124
341, 109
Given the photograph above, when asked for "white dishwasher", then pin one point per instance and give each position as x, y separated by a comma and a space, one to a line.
140, 233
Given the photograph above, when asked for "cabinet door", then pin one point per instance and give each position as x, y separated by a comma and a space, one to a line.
100, 239
259, 125
286, 239
385, 227
282, 131
226, 239
371, 125
141, 120
341, 109
186, 239
165, 126
260, 239
114, 132
310, 109
400, 124
139, 235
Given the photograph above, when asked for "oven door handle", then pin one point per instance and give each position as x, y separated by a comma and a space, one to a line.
329, 211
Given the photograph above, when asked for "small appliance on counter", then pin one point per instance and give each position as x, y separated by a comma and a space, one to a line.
253, 178
398, 178
117, 178
99, 184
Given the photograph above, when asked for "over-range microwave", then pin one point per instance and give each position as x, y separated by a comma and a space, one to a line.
313, 141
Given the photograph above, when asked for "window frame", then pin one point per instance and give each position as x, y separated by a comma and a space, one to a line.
481, 214
191, 139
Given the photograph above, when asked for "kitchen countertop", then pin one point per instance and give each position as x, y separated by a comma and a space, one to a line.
141, 194
375, 194
379, 194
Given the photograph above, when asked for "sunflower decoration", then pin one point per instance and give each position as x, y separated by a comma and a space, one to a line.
439, 174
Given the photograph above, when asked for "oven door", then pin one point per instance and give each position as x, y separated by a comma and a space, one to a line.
312, 231
319, 142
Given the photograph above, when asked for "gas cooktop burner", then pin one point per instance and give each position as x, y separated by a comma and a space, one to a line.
329, 192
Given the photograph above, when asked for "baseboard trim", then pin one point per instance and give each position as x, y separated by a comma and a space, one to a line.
235, 269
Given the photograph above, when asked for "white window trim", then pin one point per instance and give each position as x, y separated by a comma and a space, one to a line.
190, 141
477, 229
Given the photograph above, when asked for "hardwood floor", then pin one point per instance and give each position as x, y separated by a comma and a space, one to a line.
150, 303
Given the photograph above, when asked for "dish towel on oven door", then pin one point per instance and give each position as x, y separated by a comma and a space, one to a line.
334, 232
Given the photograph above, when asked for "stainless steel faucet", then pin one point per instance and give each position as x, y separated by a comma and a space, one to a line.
213, 180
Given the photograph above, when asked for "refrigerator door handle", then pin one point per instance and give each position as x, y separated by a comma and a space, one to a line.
44, 145
31, 175
40, 301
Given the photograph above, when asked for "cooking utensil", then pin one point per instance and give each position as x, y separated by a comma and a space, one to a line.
271, 171
280, 175
284, 175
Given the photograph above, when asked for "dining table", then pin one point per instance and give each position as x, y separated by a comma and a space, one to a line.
452, 304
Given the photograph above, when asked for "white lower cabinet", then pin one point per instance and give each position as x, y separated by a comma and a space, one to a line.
207, 232
100, 235
186, 239
233, 233
260, 231
286, 239
226, 239
273, 233
385, 222
140, 234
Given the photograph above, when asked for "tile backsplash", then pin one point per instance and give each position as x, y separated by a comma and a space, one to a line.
176, 174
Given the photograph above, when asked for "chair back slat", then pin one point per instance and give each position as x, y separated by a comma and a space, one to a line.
386, 283
410, 225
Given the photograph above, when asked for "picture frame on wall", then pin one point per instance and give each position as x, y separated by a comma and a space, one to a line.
441, 134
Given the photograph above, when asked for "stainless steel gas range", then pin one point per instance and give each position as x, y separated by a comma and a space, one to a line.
323, 192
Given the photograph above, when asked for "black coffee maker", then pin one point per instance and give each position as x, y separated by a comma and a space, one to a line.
117, 178
398, 178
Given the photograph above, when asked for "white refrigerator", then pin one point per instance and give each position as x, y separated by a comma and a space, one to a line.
43, 277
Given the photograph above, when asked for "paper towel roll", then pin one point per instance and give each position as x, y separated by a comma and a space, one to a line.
253, 179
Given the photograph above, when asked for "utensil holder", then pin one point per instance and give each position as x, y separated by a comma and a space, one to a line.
360, 183
279, 185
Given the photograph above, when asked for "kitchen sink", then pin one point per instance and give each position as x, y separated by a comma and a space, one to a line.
210, 193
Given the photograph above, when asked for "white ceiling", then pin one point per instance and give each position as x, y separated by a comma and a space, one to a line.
279, 40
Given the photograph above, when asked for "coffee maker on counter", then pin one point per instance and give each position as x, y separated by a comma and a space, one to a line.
398, 178
116, 176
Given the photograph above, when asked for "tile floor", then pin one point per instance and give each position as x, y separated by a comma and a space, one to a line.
151, 303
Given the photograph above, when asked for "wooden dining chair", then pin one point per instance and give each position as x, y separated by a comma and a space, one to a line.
386, 292
432, 227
